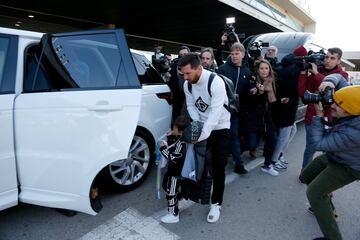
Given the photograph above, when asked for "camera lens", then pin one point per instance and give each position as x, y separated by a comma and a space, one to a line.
311, 97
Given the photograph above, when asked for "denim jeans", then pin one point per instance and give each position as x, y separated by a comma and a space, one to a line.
323, 177
253, 139
309, 150
285, 136
235, 140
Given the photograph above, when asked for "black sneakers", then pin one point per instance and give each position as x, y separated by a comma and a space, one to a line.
239, 169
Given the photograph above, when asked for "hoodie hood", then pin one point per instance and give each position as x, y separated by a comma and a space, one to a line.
288, 60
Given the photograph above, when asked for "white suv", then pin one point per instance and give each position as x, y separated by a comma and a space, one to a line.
72, 109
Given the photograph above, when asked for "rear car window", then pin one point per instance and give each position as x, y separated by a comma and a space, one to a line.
146, 72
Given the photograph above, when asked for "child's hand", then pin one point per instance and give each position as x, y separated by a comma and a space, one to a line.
163, 143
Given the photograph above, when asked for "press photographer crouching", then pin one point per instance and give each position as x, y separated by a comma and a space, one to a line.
340, 164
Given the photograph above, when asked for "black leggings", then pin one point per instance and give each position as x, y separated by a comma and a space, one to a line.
218, 142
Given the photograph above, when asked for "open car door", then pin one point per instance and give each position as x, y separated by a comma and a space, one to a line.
78, 113
8, 182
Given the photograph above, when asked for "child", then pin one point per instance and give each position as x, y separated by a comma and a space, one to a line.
174, 150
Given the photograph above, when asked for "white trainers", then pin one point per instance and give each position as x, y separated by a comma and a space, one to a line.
270, 170
279, 165
170, 218
214, 213
283, 161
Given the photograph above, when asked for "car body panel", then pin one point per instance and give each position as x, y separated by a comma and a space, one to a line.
155, 114
8, 182
8, 178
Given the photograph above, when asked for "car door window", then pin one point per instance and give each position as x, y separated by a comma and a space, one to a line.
76, 62
93, 61
8, 58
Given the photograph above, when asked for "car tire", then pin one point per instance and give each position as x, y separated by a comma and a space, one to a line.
127, 174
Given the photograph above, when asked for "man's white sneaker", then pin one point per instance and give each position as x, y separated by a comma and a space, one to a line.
170, 218
279, 165
270, 170
283, 161
214, 213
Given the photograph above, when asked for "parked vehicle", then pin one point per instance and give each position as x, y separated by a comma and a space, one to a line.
72, 109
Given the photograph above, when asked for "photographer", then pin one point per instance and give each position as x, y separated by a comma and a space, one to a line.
161, 63
254, 55
285, 109
339, 165
225, 44
310, 80
176, 83
271, 56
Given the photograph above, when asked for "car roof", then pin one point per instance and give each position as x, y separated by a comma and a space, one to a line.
288, 40
23, 33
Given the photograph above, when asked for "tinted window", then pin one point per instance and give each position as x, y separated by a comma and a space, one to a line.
93, 61
86, 61
8, 59
41, 73
146, 72
4, 44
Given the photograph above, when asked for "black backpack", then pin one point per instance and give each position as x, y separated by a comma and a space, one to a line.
233, 97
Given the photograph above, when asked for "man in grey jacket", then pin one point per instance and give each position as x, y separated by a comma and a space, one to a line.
340, 163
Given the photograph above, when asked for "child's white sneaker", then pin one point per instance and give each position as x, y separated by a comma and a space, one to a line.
214, 213
170, 218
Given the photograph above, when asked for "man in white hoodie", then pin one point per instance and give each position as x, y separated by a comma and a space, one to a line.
207, 104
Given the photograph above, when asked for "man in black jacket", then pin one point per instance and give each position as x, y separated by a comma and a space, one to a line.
234, 70
176, 83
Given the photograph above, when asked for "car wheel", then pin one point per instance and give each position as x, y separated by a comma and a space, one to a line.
127, 174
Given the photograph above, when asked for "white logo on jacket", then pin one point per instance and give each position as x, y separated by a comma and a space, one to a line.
201, 105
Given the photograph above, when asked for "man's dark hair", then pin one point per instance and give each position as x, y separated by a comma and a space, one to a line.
336, 50
181, 122
184, 47
192, 58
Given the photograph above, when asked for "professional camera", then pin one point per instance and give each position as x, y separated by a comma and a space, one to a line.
229, 30
325, 97
252, 80
231, 35
312, 57
255, 48
159, 61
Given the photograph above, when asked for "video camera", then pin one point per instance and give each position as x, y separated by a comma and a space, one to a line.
230, 32
313, 57
229, 29
325, 97
255, 48
159, 61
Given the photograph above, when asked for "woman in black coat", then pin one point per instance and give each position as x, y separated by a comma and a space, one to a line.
255, 112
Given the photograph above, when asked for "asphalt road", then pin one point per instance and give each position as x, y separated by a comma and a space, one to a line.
256, 206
